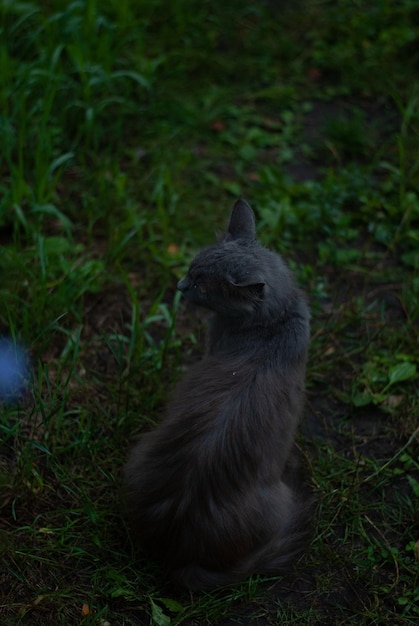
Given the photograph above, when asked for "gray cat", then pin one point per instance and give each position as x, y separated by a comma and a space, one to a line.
210, 490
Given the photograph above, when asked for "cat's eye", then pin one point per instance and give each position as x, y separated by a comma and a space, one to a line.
200, 287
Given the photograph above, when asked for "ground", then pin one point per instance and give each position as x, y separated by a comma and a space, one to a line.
128, 131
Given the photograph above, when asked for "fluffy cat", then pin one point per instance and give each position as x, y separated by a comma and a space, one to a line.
209, 491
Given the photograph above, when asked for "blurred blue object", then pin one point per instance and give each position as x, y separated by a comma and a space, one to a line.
13, 370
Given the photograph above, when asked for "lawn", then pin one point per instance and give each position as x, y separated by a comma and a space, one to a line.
128, 129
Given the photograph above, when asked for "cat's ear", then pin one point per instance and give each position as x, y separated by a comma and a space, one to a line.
242, 222
251, 284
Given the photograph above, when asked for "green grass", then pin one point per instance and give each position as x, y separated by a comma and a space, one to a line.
127, 131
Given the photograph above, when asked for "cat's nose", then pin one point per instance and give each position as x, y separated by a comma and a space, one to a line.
183, 284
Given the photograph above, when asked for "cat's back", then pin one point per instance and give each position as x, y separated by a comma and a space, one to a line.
237, 400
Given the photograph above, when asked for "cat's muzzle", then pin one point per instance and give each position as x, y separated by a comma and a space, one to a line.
183, 284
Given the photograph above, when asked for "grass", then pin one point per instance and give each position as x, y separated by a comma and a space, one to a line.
128, 129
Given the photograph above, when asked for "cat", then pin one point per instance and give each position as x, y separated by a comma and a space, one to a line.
209, 491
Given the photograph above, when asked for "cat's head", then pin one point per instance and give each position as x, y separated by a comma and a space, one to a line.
228, 277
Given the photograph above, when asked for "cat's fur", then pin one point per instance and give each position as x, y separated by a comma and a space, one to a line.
208, 490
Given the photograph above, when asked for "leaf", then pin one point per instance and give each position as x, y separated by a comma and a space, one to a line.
57, 245
85, 609
173, 249
60, 161
400, 372
50, 210
135, 76
361, 398
411, 258
172, 605
123, 592
414, 484
158, 618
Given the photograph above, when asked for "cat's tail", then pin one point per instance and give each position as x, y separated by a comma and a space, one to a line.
273, 558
